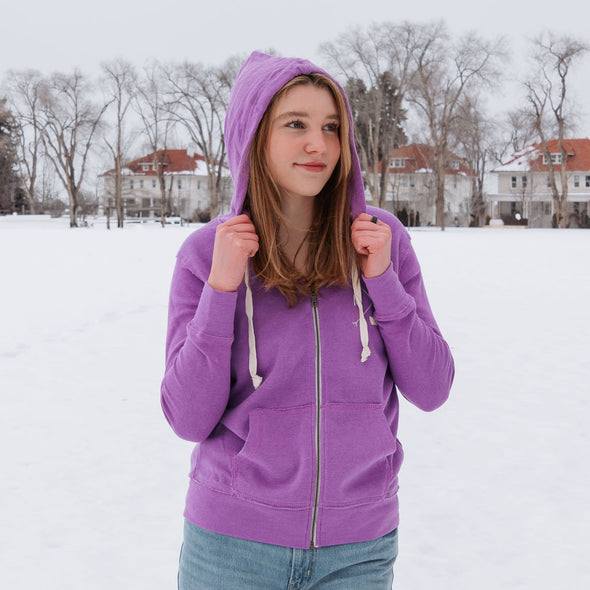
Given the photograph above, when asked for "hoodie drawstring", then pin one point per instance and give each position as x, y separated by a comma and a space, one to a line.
358, 301
252, 359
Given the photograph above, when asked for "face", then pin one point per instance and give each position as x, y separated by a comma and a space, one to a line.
303, 146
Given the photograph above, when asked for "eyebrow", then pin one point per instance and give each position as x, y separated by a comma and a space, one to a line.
301, 114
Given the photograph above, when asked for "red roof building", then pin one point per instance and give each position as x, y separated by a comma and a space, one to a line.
419, 158
524, 190
186, 183
412, 186
173, 161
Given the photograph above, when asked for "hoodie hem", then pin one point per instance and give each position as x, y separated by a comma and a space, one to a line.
228, 514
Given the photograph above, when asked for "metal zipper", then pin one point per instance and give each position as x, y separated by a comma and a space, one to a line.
318, 415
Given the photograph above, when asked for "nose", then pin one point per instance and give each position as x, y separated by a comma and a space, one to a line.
316, 142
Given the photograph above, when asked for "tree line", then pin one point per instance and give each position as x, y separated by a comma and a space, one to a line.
404, 81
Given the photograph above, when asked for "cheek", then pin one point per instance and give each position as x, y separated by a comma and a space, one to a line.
278, 150
335, 152
273, 153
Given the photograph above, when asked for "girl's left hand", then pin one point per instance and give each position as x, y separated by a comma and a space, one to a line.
372, 241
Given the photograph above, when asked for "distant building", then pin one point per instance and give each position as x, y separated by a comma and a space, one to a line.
185, 177
524, 192
412, 186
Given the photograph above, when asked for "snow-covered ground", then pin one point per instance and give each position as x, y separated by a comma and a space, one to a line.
494, 489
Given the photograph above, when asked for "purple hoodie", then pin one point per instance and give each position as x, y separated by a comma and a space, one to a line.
309, 455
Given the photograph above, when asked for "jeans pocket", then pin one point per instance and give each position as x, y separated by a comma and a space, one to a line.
361, 454
274, 466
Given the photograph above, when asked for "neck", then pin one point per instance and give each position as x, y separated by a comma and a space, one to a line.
293, 234
298, 211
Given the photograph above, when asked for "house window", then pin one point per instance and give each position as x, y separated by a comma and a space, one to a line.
141, 183
524, 181
555, 159
198, 185
403, 180
455, 164
412, 181
131, 184
513, 182
179, 184
398, 163
154, 183
145, 167
587, 181
576, 181
548, 182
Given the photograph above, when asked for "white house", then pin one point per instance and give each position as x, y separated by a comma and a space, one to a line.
524, 192
186, 181
412, 186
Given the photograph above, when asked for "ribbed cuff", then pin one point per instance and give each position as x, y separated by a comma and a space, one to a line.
389, 296
215, 313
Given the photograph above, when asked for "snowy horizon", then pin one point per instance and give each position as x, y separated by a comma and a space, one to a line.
95, 479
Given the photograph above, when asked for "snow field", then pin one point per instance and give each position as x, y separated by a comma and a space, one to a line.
493, 490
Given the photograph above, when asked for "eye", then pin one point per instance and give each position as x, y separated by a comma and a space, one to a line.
332, 127
295, 124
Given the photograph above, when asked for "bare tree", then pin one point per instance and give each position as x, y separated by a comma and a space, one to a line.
444, 72
516, 133
376, 67
24, 92
200, 95
152, 104
120, 80
474, 134
69, 120
548, 107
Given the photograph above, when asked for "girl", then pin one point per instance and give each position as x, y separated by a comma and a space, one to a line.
292, 322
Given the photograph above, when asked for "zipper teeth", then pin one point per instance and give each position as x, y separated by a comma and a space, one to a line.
318, 392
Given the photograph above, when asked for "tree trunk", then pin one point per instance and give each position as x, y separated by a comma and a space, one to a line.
73, 207
439, 163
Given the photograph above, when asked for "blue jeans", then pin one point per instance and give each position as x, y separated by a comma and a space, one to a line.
210, 561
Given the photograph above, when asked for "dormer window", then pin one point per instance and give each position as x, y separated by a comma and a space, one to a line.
398, 163
455, 164
555, 159
145, 167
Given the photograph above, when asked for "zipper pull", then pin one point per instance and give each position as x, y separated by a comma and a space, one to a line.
314, 299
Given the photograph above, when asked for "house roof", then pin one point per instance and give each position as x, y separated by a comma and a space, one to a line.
531, 158
174, 162
419, 158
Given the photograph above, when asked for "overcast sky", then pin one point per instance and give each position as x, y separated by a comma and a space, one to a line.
62, 34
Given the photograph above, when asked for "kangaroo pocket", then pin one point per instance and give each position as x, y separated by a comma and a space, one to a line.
275, 465
361, 455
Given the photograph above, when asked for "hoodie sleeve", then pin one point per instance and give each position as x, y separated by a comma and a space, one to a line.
420, 359
196, 384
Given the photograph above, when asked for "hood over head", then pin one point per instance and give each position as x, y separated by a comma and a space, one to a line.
259, 79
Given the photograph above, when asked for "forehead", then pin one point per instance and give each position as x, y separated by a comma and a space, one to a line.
306, 98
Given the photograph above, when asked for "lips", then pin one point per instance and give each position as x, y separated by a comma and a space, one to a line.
312, 166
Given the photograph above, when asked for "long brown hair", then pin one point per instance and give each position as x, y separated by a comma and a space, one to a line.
329, 254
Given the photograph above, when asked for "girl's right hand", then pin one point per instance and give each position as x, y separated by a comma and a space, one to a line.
235, 242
